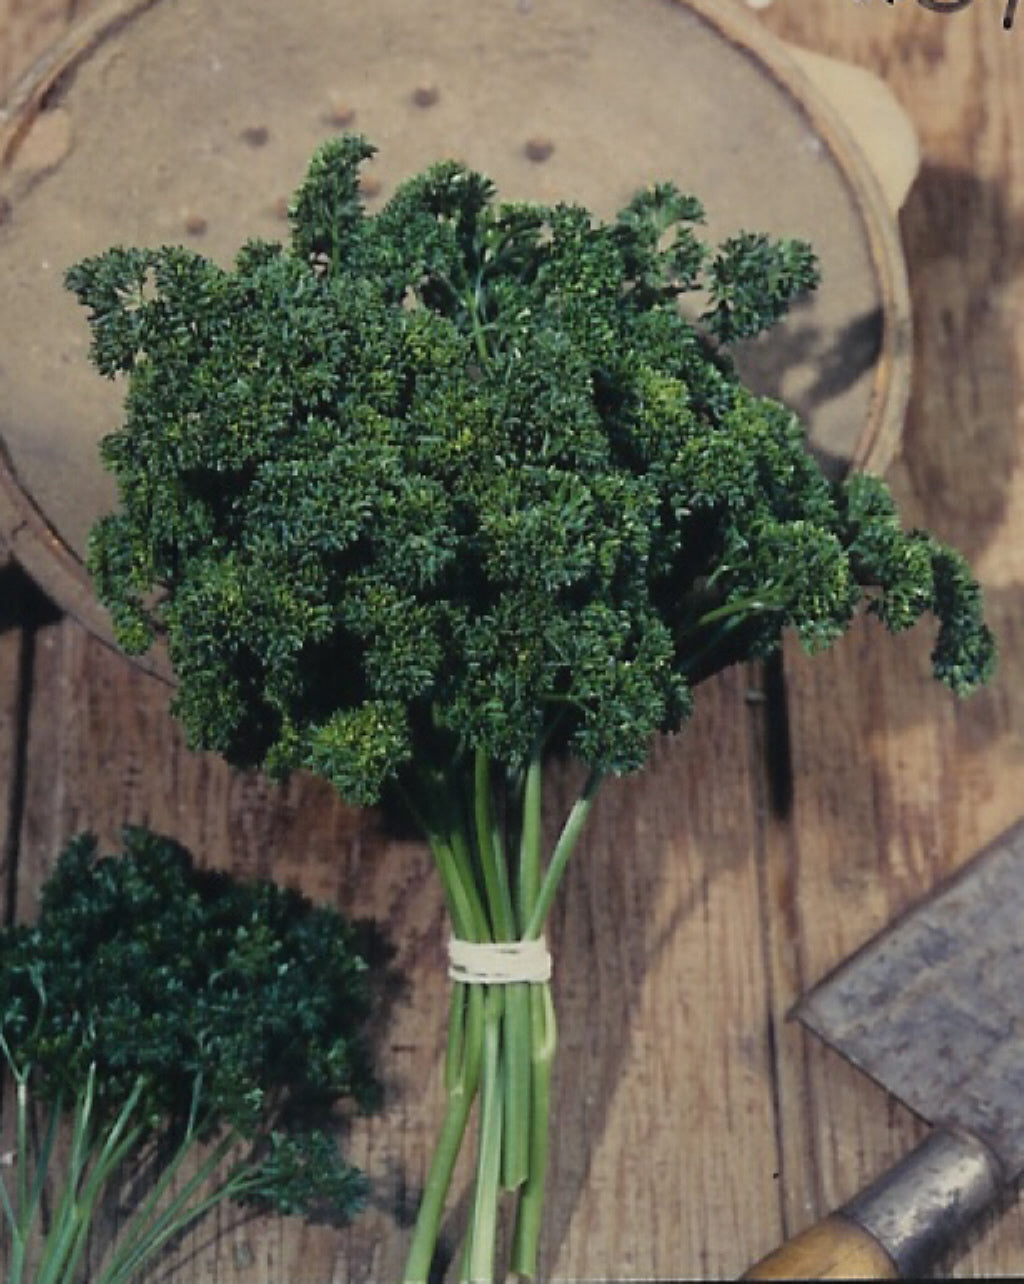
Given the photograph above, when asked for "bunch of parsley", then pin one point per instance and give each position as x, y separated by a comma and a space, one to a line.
431, 494
197, 1032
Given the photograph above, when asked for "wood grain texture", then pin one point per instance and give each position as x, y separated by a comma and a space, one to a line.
695, 1126
895, 784
835, 1249
663, 1063
28, 28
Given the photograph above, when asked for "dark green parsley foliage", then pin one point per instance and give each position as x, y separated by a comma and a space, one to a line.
240, 1007
462, 473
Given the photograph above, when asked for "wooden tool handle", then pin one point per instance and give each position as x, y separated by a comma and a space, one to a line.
835, 1249
901, 1222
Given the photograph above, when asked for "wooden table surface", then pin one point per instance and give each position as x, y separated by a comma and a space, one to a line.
694, 1125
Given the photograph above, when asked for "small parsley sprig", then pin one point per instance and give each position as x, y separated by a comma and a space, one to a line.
188, 1026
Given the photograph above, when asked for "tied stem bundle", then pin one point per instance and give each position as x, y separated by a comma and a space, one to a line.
498, 962
502, 1032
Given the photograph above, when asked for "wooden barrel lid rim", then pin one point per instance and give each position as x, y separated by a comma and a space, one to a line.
34, 542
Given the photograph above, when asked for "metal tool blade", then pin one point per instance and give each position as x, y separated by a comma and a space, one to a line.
933, 1007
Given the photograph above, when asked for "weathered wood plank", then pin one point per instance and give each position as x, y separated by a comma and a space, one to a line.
664, 1067
895, 784
664, 1071
681, 1092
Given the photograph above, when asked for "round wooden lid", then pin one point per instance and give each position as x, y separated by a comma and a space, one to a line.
192, 122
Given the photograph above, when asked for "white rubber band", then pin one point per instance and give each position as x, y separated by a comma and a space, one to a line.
501, 963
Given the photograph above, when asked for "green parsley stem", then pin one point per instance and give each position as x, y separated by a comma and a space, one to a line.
526, 1240
490, 852
501, 1039
567, 840
529, 843
22, 1144
484, 1217
517, 1040
519, 1117
459, 1102
66, 1242
149, 1236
